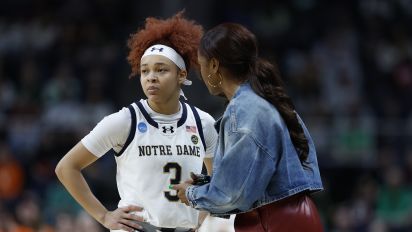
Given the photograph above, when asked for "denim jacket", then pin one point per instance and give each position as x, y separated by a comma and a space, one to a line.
255, 160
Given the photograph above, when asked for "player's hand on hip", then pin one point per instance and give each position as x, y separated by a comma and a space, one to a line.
181, 192
123, 219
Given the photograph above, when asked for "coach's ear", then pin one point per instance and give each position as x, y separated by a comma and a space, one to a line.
213, 65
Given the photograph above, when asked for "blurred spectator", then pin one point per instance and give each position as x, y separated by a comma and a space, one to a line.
85, 223
363, 204
7, 93
402, 79
304, 76
394, 202
62, 87
24, 135
7, 222
342, 219
28, 214
29, 86
11, 175
336, 57
64, 222
353, 140
57, 201
408, 165
96, 104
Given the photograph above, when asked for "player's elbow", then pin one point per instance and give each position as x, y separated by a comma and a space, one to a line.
62, 168
59, 170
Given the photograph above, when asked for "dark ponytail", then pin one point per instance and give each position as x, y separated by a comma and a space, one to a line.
236, 49
266, 82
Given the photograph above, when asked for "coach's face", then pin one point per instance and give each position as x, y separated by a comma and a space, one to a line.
160, 78
209, 72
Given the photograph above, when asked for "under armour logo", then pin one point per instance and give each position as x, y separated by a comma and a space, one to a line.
154, 48
168, 130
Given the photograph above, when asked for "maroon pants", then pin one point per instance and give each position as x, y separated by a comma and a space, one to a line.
294, 214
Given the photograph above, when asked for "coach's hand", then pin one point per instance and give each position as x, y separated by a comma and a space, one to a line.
181, 191
123, 219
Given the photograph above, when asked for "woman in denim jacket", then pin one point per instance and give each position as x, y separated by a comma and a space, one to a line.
265, 164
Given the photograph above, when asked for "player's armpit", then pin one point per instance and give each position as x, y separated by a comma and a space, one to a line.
209, 165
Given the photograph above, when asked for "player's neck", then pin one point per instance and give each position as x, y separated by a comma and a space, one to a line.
167, 108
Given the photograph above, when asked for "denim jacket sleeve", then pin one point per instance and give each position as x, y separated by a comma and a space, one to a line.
240, 177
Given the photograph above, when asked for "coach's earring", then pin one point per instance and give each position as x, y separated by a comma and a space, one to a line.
209, 77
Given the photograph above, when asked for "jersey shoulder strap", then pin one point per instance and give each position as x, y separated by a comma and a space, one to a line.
133, 128
198, 124
132, 131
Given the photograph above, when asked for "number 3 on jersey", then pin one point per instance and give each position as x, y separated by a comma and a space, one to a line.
176, 180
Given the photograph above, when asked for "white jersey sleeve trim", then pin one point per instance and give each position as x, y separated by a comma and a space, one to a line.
109, 133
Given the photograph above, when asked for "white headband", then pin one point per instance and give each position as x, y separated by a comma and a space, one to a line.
170, 53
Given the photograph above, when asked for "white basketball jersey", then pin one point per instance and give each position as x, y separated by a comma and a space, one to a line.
159, 155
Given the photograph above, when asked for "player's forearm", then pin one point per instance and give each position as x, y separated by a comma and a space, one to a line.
77, 186
202, 217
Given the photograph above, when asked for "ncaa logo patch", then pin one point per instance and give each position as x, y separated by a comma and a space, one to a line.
194, 139
142, 127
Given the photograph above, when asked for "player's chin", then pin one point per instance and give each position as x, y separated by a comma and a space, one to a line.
154, 98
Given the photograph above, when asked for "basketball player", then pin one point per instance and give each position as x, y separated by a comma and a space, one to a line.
157, 141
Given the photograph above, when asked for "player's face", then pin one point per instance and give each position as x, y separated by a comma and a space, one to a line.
160, 78
207, 71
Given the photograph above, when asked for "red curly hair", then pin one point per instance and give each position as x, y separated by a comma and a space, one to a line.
176, 32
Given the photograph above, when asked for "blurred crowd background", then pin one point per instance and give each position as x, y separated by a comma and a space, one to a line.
347, 65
